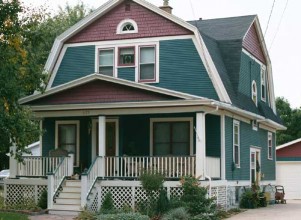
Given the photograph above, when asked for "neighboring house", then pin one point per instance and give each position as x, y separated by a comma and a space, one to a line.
34, 148
133, 87
289, 168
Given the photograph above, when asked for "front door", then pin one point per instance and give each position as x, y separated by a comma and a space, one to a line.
255, 166
111, 138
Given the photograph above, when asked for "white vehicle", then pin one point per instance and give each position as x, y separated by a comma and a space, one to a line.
4, 174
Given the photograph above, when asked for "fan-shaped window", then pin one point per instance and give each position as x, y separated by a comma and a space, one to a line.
127, 26
254, 92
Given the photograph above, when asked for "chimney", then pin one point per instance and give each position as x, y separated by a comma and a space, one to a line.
166, 7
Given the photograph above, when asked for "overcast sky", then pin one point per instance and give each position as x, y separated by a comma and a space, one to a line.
285, 52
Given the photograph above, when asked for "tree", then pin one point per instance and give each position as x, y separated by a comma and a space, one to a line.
26, 37
291, 119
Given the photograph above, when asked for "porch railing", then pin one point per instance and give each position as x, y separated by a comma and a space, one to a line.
34, 166
132, 167
213, 167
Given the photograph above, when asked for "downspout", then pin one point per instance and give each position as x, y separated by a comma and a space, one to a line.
205, 174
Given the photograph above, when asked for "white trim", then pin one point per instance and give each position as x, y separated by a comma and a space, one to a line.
236, 123
268, 128
67, 122
270, 137
93, 135
254, 93
254, 149
288, 144
223, 147
180, 119
263, 82
124, 22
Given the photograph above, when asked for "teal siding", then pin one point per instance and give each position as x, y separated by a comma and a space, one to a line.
77, 62
48, 138
213, 136
248, 138
127, 73
181, 69
250, 70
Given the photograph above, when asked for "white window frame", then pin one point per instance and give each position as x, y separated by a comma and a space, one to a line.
236, 123
114, 59
270, 147
184, 119
155, 64
263, 82
125, 22
255, 125
254, 93
129, 43
69, 122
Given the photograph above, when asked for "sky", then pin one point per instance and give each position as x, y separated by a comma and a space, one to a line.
282, 36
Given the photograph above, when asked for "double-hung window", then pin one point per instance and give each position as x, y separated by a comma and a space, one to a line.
126, 56
236, 143
263, 83
270, 145
254, 92
171, 138
67, 136
106, 62
147, 64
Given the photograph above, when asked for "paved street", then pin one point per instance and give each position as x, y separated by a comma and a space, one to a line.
289, 211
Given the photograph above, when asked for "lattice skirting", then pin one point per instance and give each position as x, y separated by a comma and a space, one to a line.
130, 194
19, 191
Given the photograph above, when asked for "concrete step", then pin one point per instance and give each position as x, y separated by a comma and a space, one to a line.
73, 183
70, 189
63, 201
64, 207
70, 213
69, 195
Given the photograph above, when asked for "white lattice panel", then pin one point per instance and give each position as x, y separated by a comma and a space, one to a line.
121, 195
176, 192
94, 206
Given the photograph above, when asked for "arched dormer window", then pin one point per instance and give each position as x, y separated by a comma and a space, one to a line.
127, 26
254, 92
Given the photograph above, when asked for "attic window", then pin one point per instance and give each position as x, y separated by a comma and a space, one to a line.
263, 83
127, 26
254, 92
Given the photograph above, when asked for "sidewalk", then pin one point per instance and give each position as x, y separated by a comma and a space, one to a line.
289, 211
52, 217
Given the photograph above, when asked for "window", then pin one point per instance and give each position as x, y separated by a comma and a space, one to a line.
67, 137
127, 56
236, 143
263, 83
171, 137
147, 64
270, 145
127, 26
255, 125
254, 92
106, 62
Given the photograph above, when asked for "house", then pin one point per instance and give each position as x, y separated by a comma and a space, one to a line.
289, 168
133, 87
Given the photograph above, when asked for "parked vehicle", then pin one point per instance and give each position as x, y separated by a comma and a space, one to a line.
4, 174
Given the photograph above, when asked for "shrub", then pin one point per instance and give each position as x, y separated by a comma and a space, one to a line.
107, 206
195, 198
42, 203
123, 216
86, 215
249, 199
151, 181
163, 202
177, 214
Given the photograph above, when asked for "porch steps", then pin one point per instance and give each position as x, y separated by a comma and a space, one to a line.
69, 200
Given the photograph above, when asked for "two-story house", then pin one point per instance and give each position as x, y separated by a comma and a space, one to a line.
133, 87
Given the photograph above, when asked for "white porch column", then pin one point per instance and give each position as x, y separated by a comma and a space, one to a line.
200, 146
13, 163
70, 163
223, 148
50, 186
102, 142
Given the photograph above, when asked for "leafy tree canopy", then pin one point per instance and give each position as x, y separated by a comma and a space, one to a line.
291, 119
26, 37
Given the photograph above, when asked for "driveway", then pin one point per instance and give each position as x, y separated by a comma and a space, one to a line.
289, 211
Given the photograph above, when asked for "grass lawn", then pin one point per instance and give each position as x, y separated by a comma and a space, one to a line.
12, 216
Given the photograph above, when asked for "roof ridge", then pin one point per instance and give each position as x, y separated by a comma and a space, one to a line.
210, 19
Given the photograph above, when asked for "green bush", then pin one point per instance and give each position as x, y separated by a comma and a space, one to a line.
123, 216
177, 214
195, 198
86, 215
152, 181
107, 206
163, 202
249, 199
43, 200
